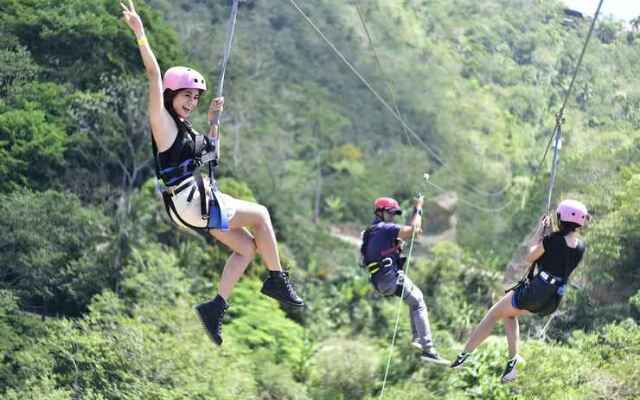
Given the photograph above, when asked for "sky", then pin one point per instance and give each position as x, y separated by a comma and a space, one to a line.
622, 9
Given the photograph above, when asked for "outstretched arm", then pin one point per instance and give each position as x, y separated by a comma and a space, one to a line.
162, 124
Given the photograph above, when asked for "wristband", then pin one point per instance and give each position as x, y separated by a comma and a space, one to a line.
417, 211
142, 41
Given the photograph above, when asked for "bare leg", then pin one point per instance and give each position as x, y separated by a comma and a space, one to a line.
502, 309
512, 329
241, 243
239, 239
256, 217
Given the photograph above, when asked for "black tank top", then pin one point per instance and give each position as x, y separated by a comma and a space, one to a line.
559, 259
182, 148
178, 162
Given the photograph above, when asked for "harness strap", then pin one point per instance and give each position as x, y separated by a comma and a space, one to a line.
517, 285
211, 208
170, 207
174, 191
203, 197
171, 175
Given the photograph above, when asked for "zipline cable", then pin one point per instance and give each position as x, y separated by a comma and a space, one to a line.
558, 139
413, 133
231, 28
392, 91
214, 158
368, 85
385, 77
560, 115
557, 134
473, 205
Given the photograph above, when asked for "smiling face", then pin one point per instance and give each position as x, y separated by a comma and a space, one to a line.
185, 101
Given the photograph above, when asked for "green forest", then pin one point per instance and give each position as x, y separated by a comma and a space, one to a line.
97, 286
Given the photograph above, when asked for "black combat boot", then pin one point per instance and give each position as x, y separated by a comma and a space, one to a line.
277, 286
211, 314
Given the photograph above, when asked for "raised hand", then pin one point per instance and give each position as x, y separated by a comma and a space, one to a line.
217, 104
132, 18
545, 221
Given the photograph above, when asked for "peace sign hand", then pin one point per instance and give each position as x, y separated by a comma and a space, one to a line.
132, 18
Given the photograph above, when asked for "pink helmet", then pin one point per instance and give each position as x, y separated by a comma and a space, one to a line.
387, 204
572, 211
183, 78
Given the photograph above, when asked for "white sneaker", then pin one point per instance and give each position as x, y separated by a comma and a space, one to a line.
510, 372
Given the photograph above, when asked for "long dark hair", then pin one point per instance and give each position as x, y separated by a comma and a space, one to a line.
168, 96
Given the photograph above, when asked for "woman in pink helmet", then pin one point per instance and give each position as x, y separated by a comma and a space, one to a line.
189, 199
555, 255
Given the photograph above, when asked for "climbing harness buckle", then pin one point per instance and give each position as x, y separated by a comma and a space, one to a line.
384, 263
208, 157
550, 279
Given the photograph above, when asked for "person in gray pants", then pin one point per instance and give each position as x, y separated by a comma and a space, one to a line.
381, 252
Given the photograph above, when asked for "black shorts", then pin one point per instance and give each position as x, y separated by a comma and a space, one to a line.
537, 296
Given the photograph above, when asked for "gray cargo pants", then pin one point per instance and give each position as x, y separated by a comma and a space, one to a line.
389, 282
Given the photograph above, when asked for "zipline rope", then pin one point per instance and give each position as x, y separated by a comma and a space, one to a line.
558, 137
560, 114
395, 329
213, 160
231, 28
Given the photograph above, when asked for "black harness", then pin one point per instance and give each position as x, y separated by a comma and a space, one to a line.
543, 290
385, 260
187, 168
